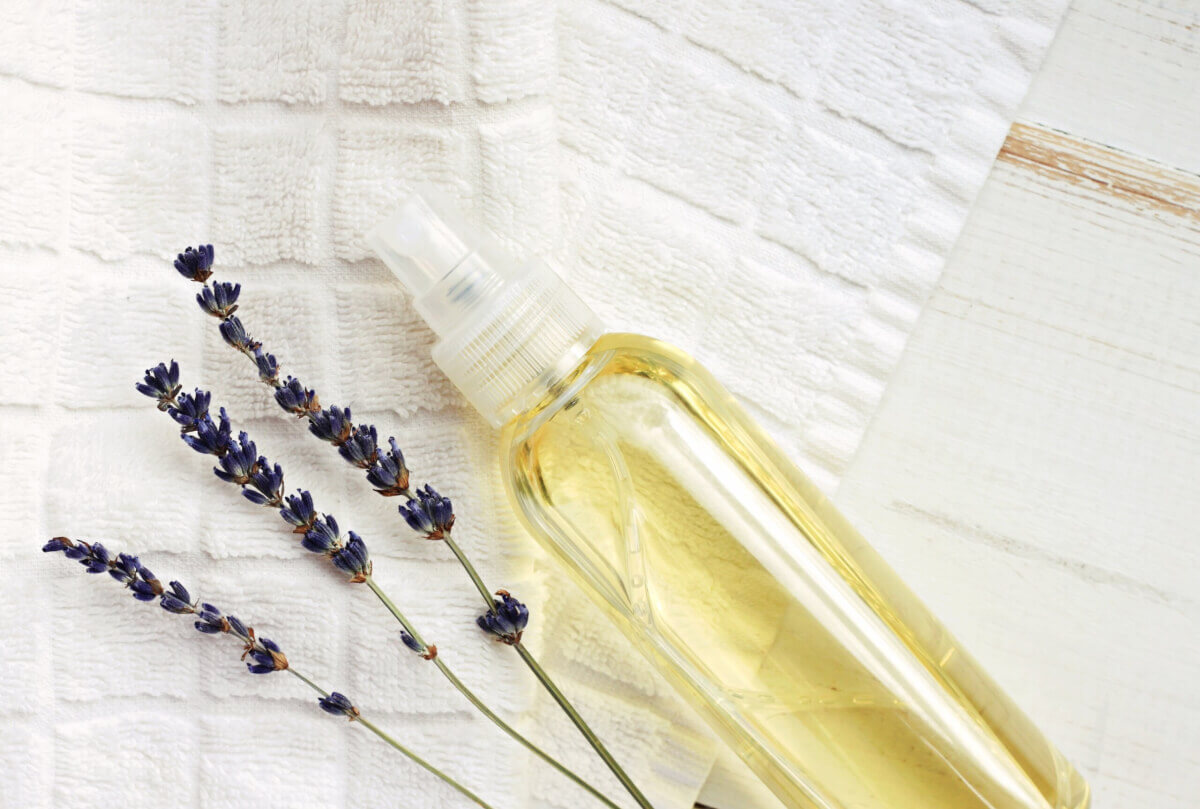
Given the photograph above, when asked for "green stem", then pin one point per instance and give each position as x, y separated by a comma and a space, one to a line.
482, 707
549, 684
488, 598
413, 756
592, 738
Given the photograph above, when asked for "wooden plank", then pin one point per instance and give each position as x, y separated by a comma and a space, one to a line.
1125, 73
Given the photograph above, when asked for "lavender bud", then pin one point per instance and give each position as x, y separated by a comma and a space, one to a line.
221, 300
299, 511
353, 558
506, 620
240, 463
190, 408
361, 449
295, 398
195, 264
161, 383
389, 475
338, 704
235, 334
429, 513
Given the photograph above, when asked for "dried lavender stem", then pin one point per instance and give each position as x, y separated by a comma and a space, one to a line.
407, 752
476, 579
479, 704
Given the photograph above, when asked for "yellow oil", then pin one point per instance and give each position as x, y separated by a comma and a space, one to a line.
731, 572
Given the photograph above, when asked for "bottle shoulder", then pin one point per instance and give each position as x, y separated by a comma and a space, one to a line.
653, 363
626, 344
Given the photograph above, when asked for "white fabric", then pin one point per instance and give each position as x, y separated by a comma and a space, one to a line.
771, 185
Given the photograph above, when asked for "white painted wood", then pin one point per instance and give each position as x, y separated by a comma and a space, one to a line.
1124, 72
1034, 471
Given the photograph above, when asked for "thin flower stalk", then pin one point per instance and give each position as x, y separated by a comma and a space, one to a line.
264, 655
262, 482
427, 512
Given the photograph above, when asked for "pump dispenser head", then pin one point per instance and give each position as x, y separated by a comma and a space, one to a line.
507, 330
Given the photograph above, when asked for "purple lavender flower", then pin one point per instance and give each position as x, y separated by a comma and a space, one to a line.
210, 621
425, 650
190, 408
295, 398
352, 558
338, 704
238, 628
235, 334
221, 300
96, 559
506, 620
332, 425
161, 383
299, 511
268, 368
362, 449
389, 475
137, 577
178, 600
210, 438
195, 264
124, 569
266, 485
239, 464
265, 657
429, 513
323, 536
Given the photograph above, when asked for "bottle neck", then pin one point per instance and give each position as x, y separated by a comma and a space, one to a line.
506, 354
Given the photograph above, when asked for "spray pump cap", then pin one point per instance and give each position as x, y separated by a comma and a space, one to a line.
506, 330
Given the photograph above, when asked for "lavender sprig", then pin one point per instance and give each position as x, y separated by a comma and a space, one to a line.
239, 463
425, 511
265, 656
262, 483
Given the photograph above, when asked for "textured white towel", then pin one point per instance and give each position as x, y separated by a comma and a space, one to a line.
771, 185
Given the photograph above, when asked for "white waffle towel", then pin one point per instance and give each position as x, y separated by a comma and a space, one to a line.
772, 185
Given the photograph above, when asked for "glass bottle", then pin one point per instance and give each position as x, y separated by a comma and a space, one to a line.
714, 554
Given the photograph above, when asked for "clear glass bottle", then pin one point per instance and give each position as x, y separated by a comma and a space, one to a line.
716, 557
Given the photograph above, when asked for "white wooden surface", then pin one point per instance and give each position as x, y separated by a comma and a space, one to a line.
1034, 470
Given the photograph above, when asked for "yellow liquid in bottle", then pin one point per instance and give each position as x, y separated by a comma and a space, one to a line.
731, 572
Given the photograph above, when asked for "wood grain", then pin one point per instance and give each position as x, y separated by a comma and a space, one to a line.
1131, 180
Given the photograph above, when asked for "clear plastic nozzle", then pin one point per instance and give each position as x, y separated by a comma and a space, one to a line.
420, 246
506, 329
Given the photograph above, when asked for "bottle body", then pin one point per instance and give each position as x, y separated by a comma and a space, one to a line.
764, 608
